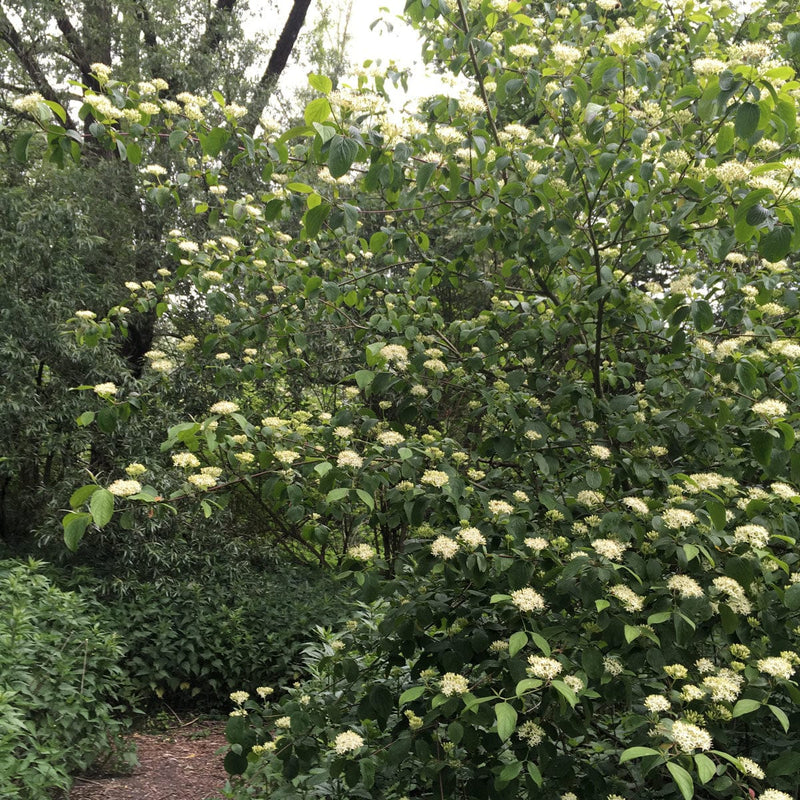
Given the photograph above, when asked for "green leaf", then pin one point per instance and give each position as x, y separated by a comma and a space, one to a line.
20, 149
541, 643
81, 495
364, 378
176, 137
725, 139
321, 83
318, 110
761, 443
87, 418
313, 219
234, 763
519, 639
134, 153
791, 598
506, 720
341, 155
213, 141
702, 315
706, 768
535, 774
747, 375
776, 244
780, 715
632, 632
526, 684
366, 498
334, 495
74, 527
683, 779
717, 513
747, 118
637, 752
787, 763
409, 695
745, 706
565, 691
102, 507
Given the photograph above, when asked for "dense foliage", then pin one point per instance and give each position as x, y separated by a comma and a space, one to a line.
192, 642
60, 685
525, 361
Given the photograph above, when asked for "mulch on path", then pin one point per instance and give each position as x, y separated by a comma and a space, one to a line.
179, 764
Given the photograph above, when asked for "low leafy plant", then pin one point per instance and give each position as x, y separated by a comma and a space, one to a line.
59, 685
191, 641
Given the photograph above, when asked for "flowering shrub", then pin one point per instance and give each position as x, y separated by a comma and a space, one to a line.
526, 364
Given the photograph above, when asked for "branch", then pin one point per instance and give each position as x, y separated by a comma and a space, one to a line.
143, 15
10, 35
277, 62
216, 21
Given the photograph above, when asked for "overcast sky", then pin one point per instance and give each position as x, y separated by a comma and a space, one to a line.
400, 44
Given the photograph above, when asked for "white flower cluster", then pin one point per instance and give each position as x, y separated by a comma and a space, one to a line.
689, 737
444, 547
527, 599
435, 477
544, 668
471, 537
453, 684
756, 536
347, 742
123, 488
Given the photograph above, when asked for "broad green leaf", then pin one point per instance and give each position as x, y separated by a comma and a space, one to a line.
791, 598
535, 774
341, 155
725, 139
334, 495
313, 219
747, 375
566, 692
75, 525
176, 137
702, 315
364, 378
637, 752
366, 498
747, 117
322, 83
506, 720
761, 443
706, 768
81, 495
318, 110
683, 779
409, 695
213, 142
20, 149
526, 684
776, 245
541, 643
517, 641
745, 706
780, 715
102, 507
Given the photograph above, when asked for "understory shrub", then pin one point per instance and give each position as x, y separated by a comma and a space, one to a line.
60, 683
192, 641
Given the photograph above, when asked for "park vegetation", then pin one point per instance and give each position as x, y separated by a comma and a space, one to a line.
516, 363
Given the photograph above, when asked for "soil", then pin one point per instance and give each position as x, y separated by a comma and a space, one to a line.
181, 763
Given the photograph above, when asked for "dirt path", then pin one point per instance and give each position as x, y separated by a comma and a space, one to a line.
179, 764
